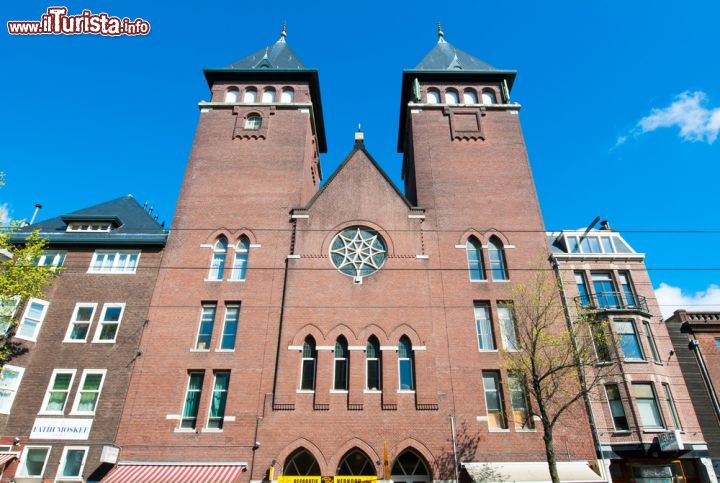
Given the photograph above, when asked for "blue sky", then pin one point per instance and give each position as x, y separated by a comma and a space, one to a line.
90, 118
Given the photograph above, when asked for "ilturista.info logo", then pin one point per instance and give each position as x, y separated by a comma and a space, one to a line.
56, 21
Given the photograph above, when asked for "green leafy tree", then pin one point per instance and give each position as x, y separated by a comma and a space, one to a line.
556, 359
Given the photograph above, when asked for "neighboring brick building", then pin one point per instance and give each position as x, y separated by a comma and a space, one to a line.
297, 331
62, 396
643, 398
696, 339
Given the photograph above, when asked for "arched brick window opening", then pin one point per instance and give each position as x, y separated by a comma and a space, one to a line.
406, 365
242, 252
451, 97
342, 359
268, 94
410, 467
488, 97
217, 265
373, 365
232, 94
253, 121
308, 365
473, 248
356, 463
301, 463
287, 95
496, 254
250, 95
470, 97
433, 96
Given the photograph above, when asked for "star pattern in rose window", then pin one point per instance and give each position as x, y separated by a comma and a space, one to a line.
358, 251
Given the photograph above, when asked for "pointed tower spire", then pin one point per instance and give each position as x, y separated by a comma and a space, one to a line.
441, 34
283, 33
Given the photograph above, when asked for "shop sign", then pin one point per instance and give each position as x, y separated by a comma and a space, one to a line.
61, 428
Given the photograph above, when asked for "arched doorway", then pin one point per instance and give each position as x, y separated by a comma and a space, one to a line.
356, 463
301, 462
410, 467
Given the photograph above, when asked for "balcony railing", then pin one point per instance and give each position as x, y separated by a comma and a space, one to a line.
612, 301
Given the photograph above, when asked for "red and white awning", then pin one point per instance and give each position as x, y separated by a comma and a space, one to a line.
6, 458
175, 473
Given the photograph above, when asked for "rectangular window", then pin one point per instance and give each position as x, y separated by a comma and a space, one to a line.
617, 410
627, 289
572, 244
88, 394
80, 322
33, 461
10, 378
717, 344
628, 339
671, 405
648, 406
51, 258
605, 293
125, 261
207, 320
230, 326
507, 327
606, 244
582, 289
8, 307
483, 324
494, 400
109, 324
520, 404
651, 342
601, 341
219, 398
192, 400
32, 319
72, 463
90, 227
57, 392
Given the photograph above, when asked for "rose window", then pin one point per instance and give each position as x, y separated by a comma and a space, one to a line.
358, 251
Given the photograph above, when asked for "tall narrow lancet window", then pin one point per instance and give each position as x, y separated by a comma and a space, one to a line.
231, 95
217, 267
268, 95
497, 260
433, 96
287, 95
488, 97
451, 97
474, 258
373, 363
250, 95
406, 365
309, 361
341, 364
242, 251
469, 97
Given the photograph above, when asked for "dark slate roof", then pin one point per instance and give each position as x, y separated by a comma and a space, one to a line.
276, 56
445, 56
555, 245
132, 225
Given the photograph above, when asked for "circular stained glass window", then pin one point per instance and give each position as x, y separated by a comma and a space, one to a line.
358, 251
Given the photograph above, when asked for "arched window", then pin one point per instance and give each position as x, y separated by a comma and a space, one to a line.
253, 121
488, 97
341, 364
373, 365
242, 251
497, 259
217, 267
474, 258
408, 465
287, 95
405, 364
309, 359
268, 94
232, 94
356, 463
250, 95
469, 97
301, 463
451, 97
433, 96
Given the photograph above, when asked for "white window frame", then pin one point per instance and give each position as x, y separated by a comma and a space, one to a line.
347, 369
506, 340
76, 402
487, 307
196, 340
58, 258
13, 391
180, 427
613, 236
8, 313
39, 321
224, 327
23, 459
90, 227
236, 270
46, 399
99, 327
115, 269
63, 462
73, 321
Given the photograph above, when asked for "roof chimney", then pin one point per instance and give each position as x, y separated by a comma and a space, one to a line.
38, 207
359, 135
605, 225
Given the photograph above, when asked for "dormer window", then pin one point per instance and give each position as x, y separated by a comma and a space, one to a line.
231, 95
469, 97
250, 95
488, 97
596, 244
451, 97
433, 96
90, 227
253, 121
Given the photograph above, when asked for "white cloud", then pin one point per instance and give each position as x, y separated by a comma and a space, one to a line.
672, 298
687, 112
4, 214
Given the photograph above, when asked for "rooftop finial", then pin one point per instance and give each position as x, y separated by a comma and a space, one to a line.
441, 34
283, 33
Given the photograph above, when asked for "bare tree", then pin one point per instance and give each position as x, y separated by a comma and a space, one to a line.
556, 358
